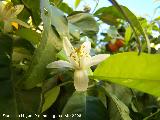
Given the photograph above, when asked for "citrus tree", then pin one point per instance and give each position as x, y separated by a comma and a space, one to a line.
58, 63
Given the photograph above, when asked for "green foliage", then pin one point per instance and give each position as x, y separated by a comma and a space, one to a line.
117, 109
84, 108
65, 8
50, 97
84, 21
113, 13
14, 100
129, 69
46, 51
34, 7
109, 15
128, 34
7, 90
29, 35
119, 88
57, 15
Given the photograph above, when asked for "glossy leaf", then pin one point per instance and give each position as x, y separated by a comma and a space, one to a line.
129, 69
50, 97
84, 107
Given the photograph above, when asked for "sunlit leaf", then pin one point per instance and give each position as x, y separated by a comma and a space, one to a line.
128, 34
129, 69
76, 3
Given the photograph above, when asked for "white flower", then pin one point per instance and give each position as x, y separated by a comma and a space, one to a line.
8, 15
79, 60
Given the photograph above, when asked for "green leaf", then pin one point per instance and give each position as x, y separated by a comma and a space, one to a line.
117, 109
84, 21
65, 8
74, 31
7, 90
76, 3
128, 34
13, 100
61, 55
56, 2
124, 94
46, 51
34, 6
29, 35
59, 21
24, 15
50, 97
84, 108
128, 69
109, 15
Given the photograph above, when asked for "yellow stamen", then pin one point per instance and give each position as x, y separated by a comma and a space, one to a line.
15, 24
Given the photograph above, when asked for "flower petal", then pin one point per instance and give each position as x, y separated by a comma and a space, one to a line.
2, 6
18, 9
67, 46
60, 64
86, 47
70, 52
85, 61
81, 80
85, 57
98, 58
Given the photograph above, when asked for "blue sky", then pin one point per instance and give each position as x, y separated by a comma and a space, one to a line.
143, 8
